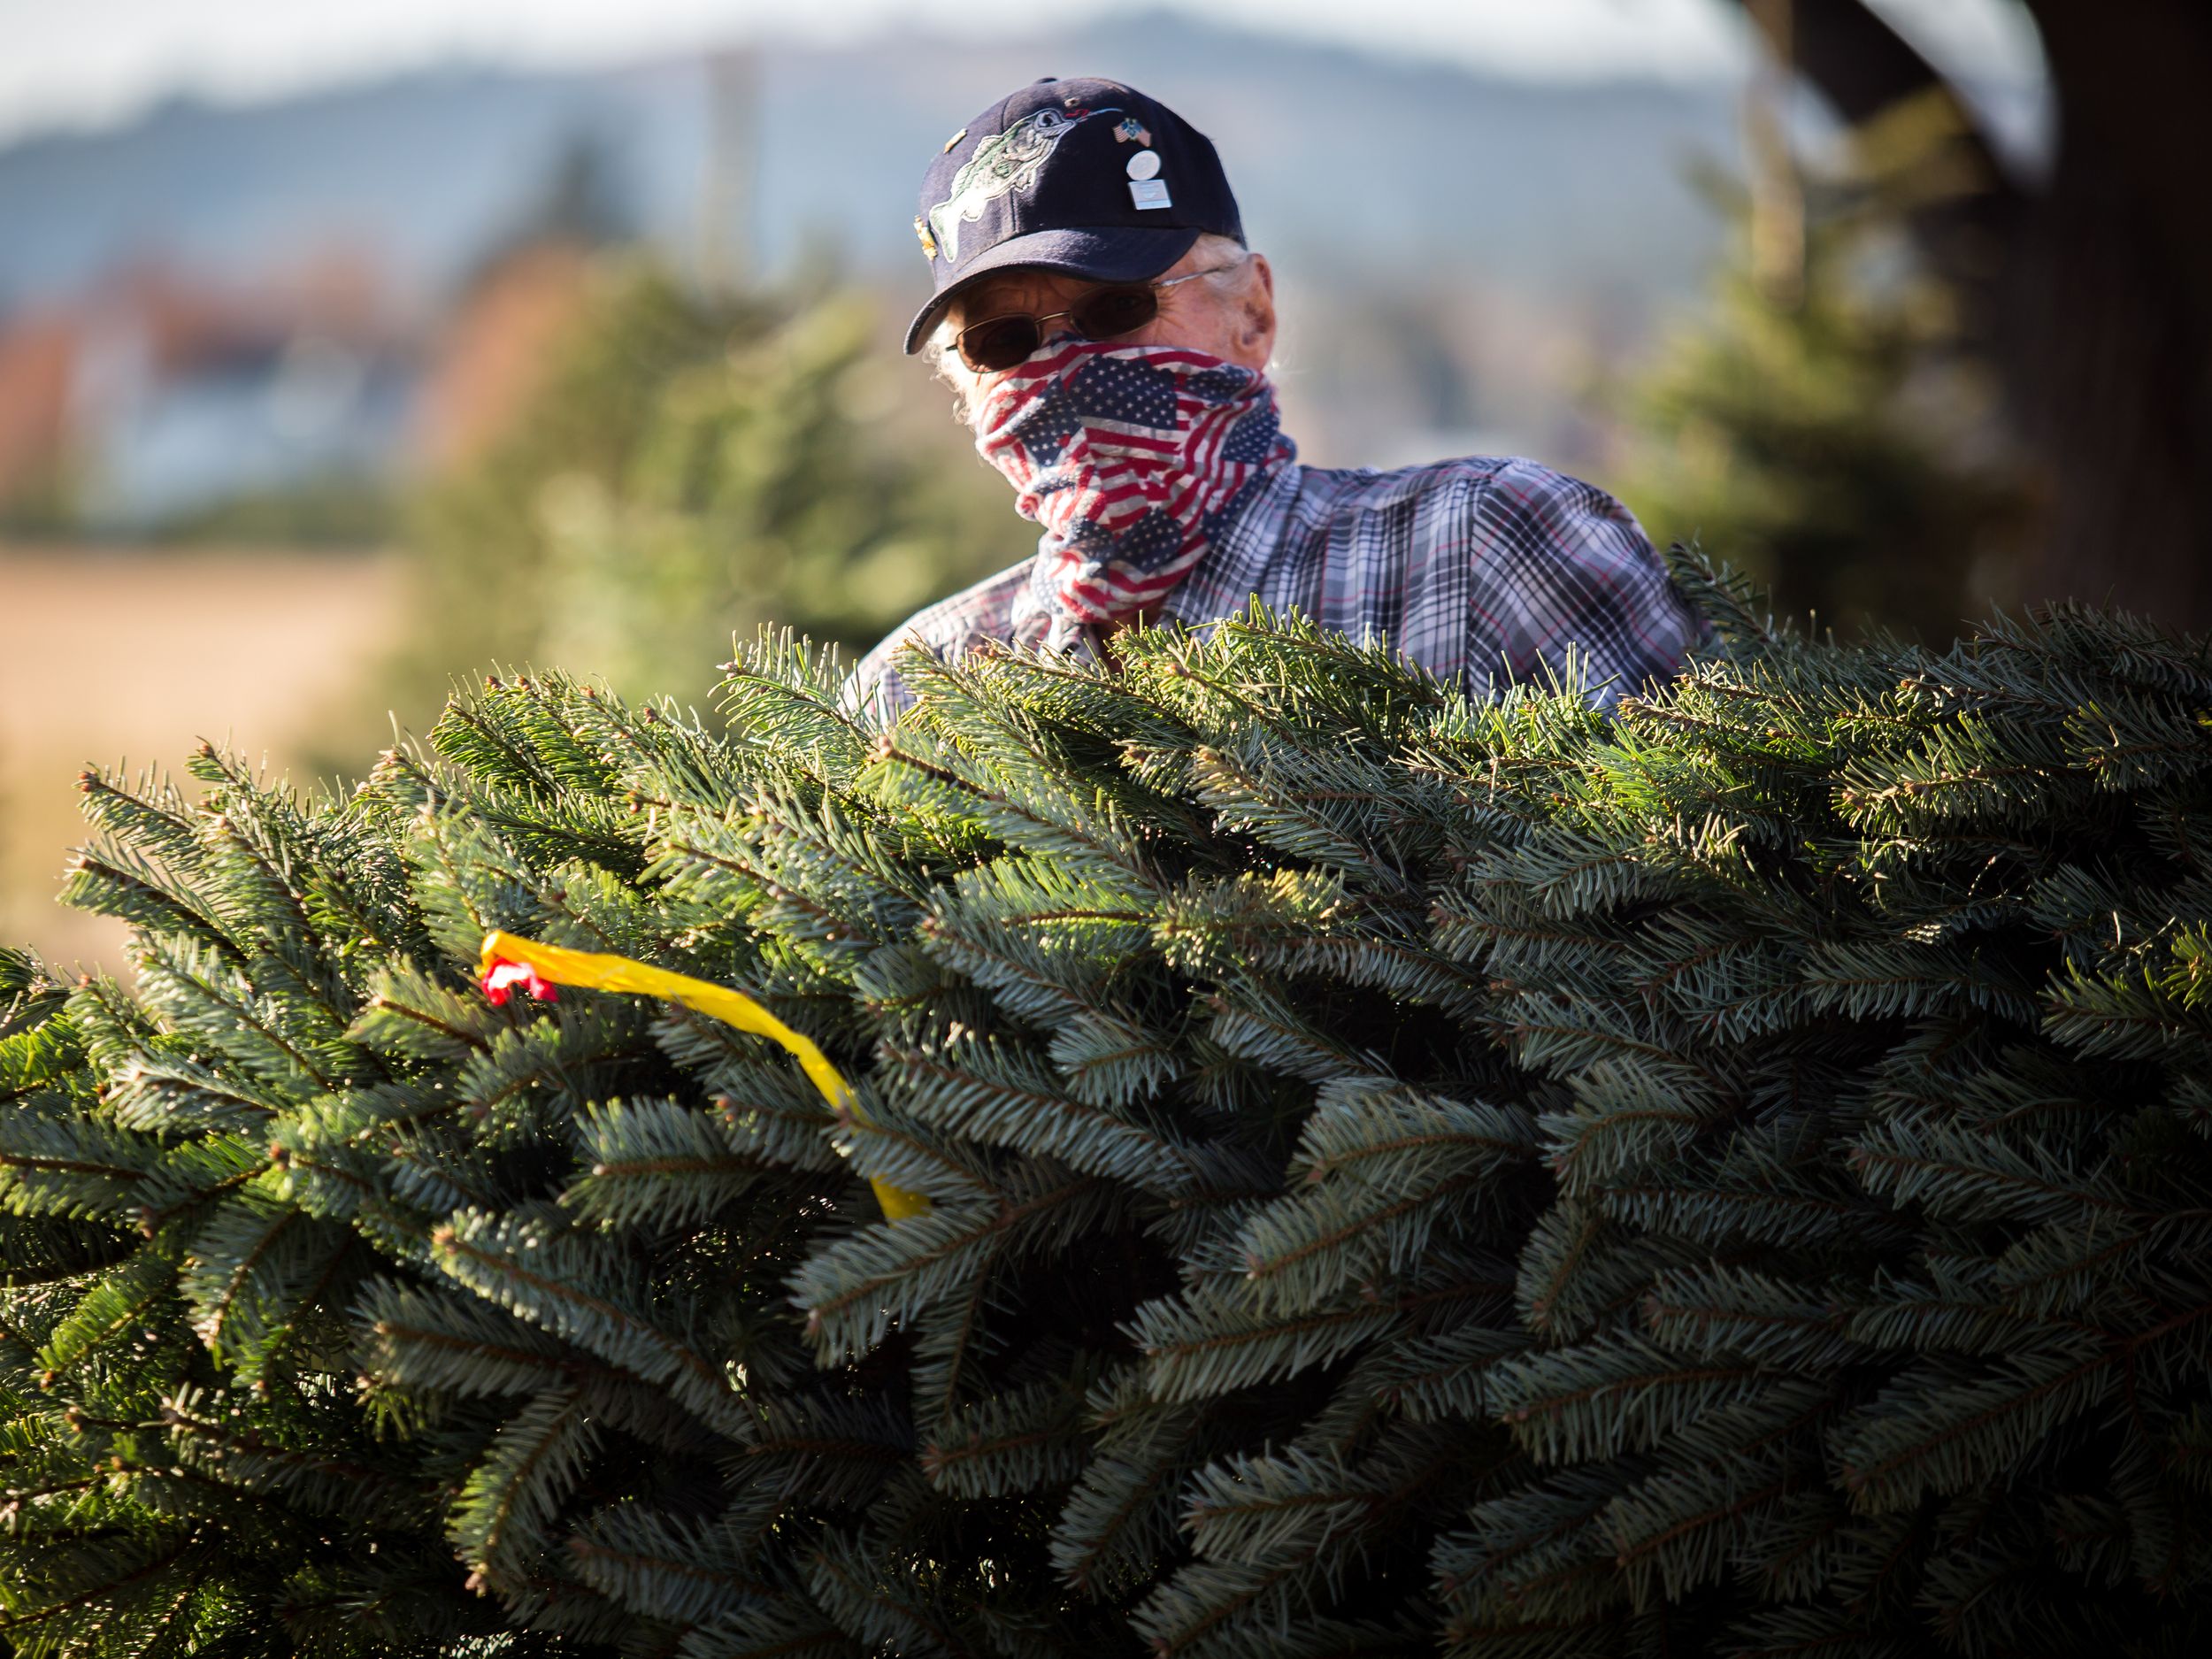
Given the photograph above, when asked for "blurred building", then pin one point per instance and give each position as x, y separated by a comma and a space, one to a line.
158, 397
155, 395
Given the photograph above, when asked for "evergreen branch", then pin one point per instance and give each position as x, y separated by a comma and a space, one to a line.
508, 1503
108, 1589
184, 977
152, 1220
921, 1250
154, 815
1920, 1442
551, 1299
215, 1313
883, 1611
104, 887
421, 1017
185, 1425
1957, 1175
985, 1093
1268, 1261
1547, 1398
1213, 1339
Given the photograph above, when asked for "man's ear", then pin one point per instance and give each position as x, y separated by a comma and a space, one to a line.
1255, 319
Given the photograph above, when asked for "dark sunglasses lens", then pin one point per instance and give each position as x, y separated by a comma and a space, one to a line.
1106, 312
999, 344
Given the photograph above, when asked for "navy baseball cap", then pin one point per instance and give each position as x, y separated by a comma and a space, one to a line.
1086, 176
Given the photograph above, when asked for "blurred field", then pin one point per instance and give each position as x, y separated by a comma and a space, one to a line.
133, 656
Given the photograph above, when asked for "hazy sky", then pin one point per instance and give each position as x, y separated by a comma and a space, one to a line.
89, 61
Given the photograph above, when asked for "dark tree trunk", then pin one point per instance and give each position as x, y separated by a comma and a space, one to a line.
2094, 294
2112, 353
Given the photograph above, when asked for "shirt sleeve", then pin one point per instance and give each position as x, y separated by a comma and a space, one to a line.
873, 693
1556, 564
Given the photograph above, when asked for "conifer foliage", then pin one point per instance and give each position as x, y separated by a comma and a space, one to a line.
1726, 1174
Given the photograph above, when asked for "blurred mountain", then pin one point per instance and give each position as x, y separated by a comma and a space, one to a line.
1459, 255
1345, 165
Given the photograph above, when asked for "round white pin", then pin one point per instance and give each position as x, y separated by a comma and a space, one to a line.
1144, 163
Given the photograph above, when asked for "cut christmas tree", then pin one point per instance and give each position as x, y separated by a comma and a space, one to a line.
1726, 1174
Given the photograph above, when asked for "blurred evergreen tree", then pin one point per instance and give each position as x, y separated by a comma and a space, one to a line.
1822, 427
691, 467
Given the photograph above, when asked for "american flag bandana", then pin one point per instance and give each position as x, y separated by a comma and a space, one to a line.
1131, 458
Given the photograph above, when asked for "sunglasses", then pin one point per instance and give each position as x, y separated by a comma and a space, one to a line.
1104, 313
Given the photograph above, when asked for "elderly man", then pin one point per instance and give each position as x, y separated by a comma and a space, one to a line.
1107, 334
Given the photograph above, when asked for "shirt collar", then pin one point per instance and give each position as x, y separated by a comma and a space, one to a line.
1217, 585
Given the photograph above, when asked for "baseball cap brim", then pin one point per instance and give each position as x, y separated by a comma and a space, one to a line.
1115, 254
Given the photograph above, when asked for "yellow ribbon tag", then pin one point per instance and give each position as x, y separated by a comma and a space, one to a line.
592, 971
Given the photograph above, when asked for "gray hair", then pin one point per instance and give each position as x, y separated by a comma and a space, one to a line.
1229, 284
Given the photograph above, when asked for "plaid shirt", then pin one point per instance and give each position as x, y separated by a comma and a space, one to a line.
1478, 570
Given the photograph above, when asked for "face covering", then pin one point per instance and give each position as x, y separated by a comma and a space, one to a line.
1132, 458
